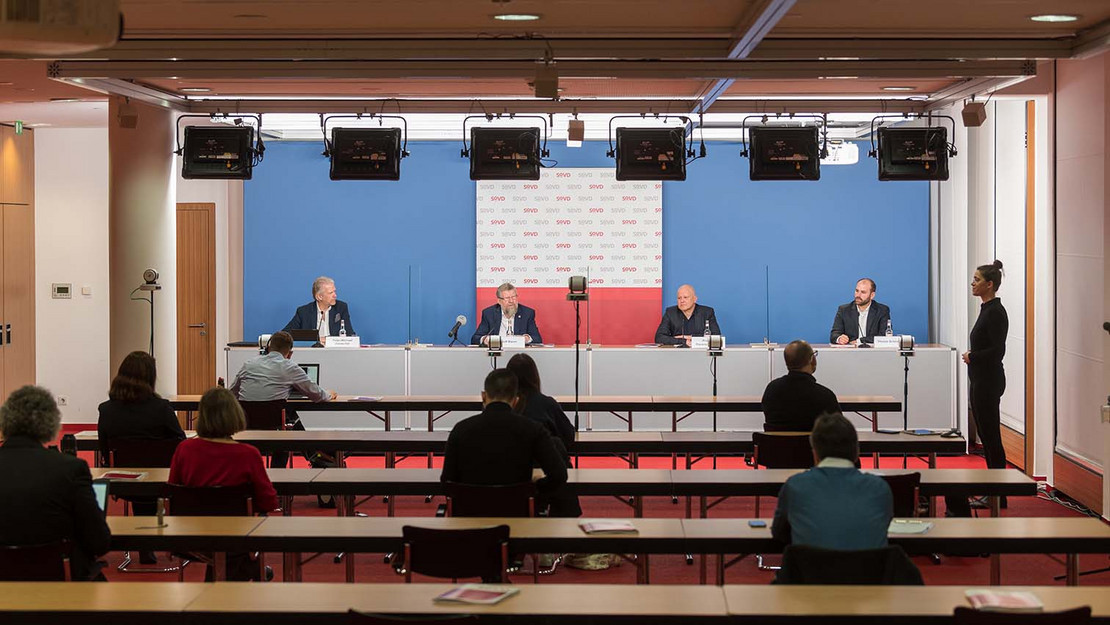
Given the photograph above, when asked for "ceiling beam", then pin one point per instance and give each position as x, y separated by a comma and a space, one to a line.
699, 70
661, 106
128, 89
757, 22
770, 49
1092, 41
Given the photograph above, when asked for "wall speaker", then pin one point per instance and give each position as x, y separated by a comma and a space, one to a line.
974, 114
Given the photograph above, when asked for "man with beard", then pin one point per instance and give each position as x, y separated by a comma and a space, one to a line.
859, 321
507, 318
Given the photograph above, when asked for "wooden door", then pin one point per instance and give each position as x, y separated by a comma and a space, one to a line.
17, 166
196, 297
19, 295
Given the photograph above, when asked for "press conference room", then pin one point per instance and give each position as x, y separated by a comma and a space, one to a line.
314, 240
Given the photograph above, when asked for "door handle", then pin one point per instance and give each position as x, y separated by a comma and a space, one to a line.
197, 325
8, 333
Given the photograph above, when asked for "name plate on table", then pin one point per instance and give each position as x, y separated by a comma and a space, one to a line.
890, 342
702, 342
341, 341
514, 341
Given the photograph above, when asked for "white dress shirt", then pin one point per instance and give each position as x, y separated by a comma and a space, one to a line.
506, 325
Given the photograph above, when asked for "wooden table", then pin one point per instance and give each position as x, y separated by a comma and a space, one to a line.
620, 405
625, 444
638, 483
1071, 536
241, 603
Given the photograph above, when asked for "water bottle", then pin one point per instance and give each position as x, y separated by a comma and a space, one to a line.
889, 328
707, 333
342, 328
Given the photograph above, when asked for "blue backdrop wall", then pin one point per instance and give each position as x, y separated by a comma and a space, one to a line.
773, 258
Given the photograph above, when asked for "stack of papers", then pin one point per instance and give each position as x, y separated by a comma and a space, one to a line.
607, 526
909, 526
124, 475
1003, 600
483, 594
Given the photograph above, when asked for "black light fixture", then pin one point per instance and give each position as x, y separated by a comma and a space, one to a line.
912, 153
365, 153
505, 153
786, 153
659, 153
220, 152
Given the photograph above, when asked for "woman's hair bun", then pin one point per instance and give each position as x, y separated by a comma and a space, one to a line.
997, 263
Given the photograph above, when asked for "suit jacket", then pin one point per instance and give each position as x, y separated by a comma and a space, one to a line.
151, 418
523, 323
500, 447
307, 317
847, 322
793, 402
674, 321
834, 507
51, 500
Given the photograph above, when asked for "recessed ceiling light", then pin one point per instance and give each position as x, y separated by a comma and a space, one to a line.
1054, 18
516, 17
195, 89
249, 16
38, 125
899, 88
65, 100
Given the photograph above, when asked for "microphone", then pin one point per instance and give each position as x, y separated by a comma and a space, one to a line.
459, 322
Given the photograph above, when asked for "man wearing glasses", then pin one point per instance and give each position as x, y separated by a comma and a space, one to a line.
793, 402
507, 318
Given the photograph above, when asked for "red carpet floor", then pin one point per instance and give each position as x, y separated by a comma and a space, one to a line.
1016, 569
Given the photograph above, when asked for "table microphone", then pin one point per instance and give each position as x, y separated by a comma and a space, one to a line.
459, 322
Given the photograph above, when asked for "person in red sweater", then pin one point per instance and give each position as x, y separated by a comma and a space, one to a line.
213, 458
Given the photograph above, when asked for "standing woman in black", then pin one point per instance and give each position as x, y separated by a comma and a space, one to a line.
987, 379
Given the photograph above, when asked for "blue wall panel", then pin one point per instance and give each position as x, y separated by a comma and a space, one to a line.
402, 253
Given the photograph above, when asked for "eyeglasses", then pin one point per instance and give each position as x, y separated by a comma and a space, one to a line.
508, 298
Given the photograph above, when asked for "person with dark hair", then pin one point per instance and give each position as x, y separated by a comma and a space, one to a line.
498, 446
214, 458
862, 319
134, 410
834, 505
791, 403
507, 317
986, 376
544, 410
271, 377
47, 496
685, 319
325, 314
532, 403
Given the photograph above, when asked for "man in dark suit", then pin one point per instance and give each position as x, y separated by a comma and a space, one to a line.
325, 313
861, 319
834, 505
47, 496
507, 318
793, 402
500, 447
686, 319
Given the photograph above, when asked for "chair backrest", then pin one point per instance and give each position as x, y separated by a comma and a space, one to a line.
264, 415
969, 616
905, 488
208, 500
510, 500
354, 617
130, 451
33, 563
810, 565
480, 552
785, 450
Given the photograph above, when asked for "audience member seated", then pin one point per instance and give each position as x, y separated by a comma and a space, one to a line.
47, 496
498, 446
834, 505
213, 458
792, 403
543, 409
134, 410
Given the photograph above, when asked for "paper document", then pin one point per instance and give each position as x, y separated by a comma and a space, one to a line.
124, 475
607, 526
365, 398
485, 594
909, 526
1003, 600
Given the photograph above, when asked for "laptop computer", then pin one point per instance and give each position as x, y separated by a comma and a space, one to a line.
312, 370
100, 491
